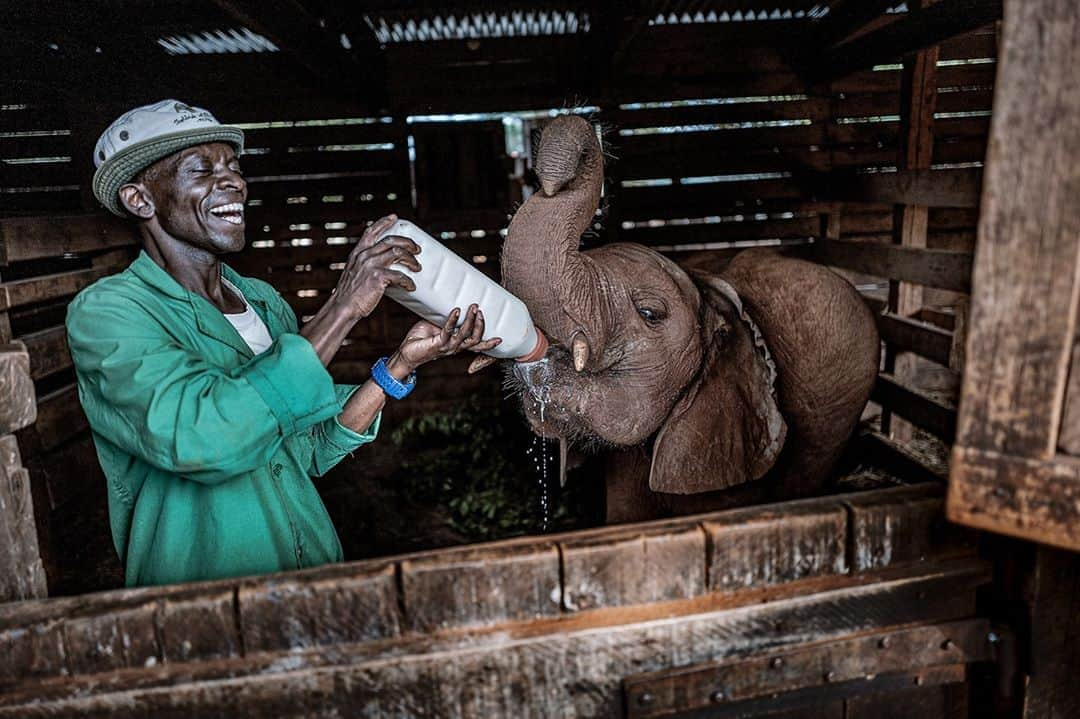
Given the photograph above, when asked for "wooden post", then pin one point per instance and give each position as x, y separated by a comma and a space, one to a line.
22, 575
917, 105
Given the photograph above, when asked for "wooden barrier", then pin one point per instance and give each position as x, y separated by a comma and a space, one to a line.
561, 615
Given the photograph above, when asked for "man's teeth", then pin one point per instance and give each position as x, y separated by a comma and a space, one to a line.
232, 212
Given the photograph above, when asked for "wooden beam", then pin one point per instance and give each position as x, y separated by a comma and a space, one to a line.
728, 684
1030, 498
898, 459
289, 25
943, 269
937, 23
845, 19
911, 335
915, 406
32, 238
1051, 691
929, 188
1023, 319
22, 575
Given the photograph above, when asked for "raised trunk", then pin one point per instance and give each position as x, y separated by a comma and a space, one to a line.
541, 263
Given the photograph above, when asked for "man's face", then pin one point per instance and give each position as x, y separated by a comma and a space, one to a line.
199, 196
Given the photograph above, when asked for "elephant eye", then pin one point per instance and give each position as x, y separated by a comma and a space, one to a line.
652, 315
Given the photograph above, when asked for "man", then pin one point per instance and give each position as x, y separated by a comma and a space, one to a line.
210, 408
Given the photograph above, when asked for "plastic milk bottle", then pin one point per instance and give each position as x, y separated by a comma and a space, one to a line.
447, 281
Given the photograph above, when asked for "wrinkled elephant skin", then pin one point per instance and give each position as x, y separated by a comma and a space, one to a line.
713, 390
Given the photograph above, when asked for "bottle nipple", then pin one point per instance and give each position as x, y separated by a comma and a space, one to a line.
539, 350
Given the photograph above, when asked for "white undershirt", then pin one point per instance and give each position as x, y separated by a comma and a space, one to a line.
248, 324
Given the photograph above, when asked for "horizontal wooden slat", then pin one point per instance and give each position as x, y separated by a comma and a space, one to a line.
49, 287
921, 338
30, 238
48, 351
916, 406
942, 269
1037, 500
932, 188
898, 459
60, 417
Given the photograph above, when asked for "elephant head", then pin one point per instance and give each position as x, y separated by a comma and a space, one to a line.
639, 348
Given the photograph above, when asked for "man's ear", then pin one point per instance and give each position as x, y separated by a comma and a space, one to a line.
727, 428
135, 198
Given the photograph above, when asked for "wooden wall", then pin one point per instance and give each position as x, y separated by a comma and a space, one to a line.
761, 155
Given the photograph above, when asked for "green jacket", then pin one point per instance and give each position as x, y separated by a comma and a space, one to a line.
208, 450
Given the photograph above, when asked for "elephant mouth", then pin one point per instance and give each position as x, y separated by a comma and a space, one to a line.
553, 404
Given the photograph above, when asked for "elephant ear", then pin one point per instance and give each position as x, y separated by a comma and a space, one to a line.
726, 429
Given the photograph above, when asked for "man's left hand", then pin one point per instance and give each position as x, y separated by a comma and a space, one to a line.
426, 342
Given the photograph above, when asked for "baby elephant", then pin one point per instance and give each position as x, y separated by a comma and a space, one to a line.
714, 390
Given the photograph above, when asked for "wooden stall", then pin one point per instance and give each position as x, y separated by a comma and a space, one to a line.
904, 145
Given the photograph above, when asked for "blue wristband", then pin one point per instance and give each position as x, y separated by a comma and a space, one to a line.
390, 384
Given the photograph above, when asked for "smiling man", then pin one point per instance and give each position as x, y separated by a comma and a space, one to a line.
210, 408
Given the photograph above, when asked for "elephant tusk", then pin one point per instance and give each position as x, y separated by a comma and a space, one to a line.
580, 350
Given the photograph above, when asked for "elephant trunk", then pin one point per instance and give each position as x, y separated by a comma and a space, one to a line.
541, 262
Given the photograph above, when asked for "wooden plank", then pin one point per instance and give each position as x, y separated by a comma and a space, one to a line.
930, 188
1034, 499
905, 524
756, 547
633, 568
918, 102
1028, 261
48, 351
29, 238
846, 19
18, 406
899, 459
305, 611
59, 417
481, 586
936, 24
50, 287
1050, 691
718, 684
916, 406
569, 666
306, 39
911, 335
22, 575
942, 269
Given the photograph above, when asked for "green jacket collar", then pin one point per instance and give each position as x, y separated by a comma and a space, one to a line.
209, 319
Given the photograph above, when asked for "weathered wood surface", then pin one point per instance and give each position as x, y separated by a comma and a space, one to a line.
720, 684
1027, 264
568, 666
22, 575
1006, 474
899, 459
916, 406
926, 187
1069, 432
1027, 498
914, 31
944, 269
29, 238
18, 407
904, 524
1051, 691
911, 335
62, 284
401, 624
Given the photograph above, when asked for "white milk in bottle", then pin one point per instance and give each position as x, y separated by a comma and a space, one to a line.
446, 281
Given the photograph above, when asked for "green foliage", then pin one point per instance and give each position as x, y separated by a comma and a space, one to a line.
472, 461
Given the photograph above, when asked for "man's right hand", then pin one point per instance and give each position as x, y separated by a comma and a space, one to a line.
367, 274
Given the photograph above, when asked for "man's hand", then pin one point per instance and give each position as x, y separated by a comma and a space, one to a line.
367, 273
426, 342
